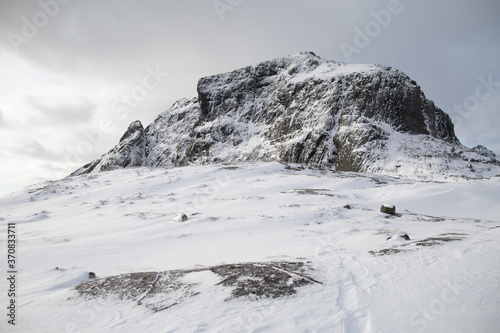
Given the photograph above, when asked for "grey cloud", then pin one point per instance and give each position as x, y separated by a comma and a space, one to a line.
443, 45
36, 150
62, 113
30, 148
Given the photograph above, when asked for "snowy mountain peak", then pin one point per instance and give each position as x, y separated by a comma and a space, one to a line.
308, 110
134, 129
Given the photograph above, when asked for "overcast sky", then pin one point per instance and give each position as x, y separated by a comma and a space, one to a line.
75, 73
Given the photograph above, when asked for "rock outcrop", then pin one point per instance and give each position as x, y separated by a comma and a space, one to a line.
307, 110
161, 290
129, 152
388, 209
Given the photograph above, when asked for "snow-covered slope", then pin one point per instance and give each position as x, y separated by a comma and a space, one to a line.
308, 110
444, 279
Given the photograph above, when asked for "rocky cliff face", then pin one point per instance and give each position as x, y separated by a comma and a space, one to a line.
129, 152
304, 109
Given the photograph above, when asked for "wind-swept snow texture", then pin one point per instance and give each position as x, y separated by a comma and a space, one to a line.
308, 110
443, 277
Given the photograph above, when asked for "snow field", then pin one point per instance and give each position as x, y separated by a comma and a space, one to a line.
125, 221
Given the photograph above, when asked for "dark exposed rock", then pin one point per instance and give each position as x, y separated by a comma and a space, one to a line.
388, 209
162, 290
385, 252
306, 110
276, 280
313, 191
128, 153
400, 235
443, 238
426, 242
126, 286
482, 150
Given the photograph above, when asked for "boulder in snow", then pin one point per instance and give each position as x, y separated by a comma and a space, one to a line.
181, 217
388, 209
399, 236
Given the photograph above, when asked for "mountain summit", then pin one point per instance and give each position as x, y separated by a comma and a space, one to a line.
308, 110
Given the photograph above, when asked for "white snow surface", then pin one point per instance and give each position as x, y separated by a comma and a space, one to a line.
124, 221
328, 70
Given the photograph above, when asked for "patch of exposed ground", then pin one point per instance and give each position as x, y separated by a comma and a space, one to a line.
427, 242
161, 290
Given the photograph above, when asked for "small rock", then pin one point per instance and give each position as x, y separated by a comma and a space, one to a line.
398, 236
181, 217
92, 275
388, 209
347, 207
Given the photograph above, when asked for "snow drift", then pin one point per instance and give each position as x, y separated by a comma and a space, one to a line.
228, 268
